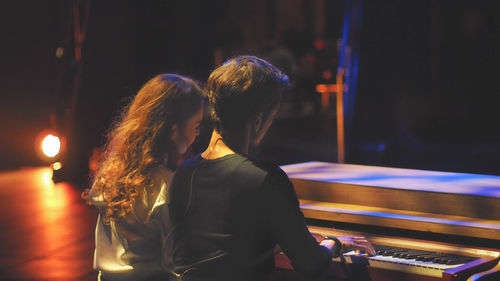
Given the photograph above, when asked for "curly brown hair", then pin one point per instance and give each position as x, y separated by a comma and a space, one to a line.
141, 140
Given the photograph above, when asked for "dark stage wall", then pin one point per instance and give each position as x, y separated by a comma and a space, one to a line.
428, 73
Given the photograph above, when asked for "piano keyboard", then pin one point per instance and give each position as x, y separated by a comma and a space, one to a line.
407, 260
399, 258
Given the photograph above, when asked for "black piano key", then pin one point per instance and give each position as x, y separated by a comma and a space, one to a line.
414, 254
382, 250
421, 255
448, 259
399, 253
385, 252
454, 259
428, 257
404, 255
459, 260
393, 251
442, 260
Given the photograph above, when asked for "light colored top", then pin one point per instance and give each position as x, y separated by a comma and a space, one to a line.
130, 248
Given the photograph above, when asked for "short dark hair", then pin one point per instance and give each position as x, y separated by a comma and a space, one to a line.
240, 89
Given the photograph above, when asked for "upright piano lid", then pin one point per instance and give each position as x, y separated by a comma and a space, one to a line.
442, 202
397, 178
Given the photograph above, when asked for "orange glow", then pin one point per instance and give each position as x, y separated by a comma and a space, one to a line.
56, 166
46, 176
338, 89
326, 88
51, 145
49, 229
340, 114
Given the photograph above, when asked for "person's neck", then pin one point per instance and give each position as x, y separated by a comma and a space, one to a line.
217, 148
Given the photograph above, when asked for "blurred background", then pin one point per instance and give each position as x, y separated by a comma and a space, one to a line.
421, 76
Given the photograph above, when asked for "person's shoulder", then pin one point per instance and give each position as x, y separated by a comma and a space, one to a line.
267, 166
189, 164
160, 178
161, 173
263, 168
96, 196
191, 161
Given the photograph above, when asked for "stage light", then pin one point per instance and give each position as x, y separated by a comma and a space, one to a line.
51, 145
56, 166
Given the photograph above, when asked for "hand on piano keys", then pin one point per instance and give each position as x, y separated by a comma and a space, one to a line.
397, 258
357, 244
343, 244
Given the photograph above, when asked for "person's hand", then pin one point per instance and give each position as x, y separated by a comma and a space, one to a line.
356, 243
319, 237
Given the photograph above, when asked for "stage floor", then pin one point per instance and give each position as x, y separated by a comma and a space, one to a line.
47, 230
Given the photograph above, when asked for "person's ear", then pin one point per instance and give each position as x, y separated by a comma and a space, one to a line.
175, 131
257, 124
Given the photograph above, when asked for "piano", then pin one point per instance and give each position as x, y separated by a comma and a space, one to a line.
425, 225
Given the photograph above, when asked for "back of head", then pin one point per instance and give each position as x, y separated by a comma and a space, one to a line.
141, 140
240, 89
145, 127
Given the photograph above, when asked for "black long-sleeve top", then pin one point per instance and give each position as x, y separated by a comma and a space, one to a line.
226, 216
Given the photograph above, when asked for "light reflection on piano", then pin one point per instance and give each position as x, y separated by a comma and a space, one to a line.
397, 178
401, 217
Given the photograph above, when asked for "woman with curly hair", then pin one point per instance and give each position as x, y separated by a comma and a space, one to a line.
141, 153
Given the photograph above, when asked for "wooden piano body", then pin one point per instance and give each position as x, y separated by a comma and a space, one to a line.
452, 214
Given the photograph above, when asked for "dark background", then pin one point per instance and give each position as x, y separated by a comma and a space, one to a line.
426, 93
